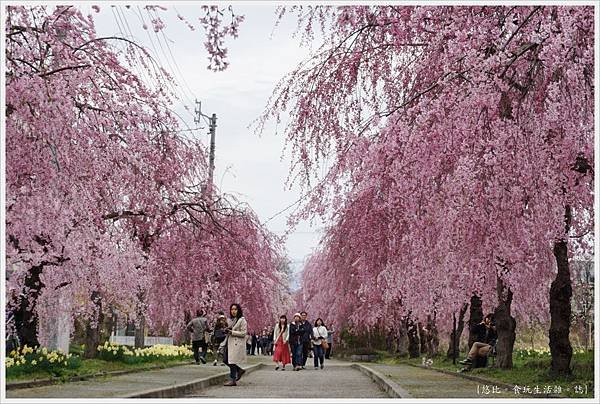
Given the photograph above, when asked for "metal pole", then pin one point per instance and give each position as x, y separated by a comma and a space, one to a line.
454, 338
212, 125
211, 161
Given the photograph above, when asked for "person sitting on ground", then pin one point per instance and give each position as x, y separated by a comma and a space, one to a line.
485, 338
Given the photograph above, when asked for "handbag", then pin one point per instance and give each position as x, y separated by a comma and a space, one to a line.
324, 343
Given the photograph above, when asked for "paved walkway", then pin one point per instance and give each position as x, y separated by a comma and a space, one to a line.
336, 380
120, 386
425, 383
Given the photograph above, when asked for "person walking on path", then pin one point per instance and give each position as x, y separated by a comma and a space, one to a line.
281, 337
254, 343
307, 331
265, 342
330, 332
198, 326
218, 338
319, 334
271, 341
235, 353
248, 343
261, 343
296, 342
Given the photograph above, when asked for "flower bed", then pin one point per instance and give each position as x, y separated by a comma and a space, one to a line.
539, 353
27, 360
41, 361
115, 352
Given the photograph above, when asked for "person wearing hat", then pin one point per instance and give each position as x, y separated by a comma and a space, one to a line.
218, 339
296, 332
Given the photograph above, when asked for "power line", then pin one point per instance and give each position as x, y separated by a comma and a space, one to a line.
185, 86
179, 85
128, 33
141, 18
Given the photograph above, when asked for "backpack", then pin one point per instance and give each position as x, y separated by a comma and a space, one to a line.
219, 335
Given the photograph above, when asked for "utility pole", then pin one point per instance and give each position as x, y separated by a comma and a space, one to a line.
212, 129
211, 159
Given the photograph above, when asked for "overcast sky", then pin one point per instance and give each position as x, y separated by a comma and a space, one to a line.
247, 166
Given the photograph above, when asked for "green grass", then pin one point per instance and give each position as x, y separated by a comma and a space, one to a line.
92, 366
525, 372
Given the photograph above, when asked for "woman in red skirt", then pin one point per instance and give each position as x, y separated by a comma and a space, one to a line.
281, 336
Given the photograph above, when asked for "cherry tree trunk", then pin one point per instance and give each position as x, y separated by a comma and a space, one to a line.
505, 327
402, 340
560, 313
432, 338
422, 338
454, 346
390, 338
140, 326
93, 328
26, 318
139, 333
475, 317
413, 339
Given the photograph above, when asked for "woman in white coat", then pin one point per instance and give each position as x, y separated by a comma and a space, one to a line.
319, 335
236, 343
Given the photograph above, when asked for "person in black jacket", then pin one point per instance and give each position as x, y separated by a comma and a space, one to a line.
485, 339
254, 343
296, 333
218, 337
307, 332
